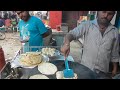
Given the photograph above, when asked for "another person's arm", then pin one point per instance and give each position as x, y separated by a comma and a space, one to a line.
21, 40
114, 71
115, 55
47, 33
43, 30
72, 35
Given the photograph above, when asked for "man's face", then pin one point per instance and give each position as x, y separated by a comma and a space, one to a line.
105, 17
23, 15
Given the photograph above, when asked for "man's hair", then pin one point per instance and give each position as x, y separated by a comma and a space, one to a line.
113, 11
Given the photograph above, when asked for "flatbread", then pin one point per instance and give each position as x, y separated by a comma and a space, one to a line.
38, 76
59, 75
48, 51
47, 68
31, 59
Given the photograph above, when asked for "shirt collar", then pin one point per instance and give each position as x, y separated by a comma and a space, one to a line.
96, 24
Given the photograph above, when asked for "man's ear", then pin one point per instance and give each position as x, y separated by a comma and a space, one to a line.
27, 12
97, 14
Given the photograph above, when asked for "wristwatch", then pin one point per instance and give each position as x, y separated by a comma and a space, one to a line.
66, 44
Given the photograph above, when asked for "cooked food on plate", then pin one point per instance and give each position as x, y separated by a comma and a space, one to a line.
31, 58
59, 75
38, 76
47, 68
49, 51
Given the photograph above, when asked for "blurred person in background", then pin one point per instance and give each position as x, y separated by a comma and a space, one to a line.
32, 30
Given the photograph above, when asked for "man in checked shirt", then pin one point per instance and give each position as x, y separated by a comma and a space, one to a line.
101, 45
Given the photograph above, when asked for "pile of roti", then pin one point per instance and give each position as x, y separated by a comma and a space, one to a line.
48, 51
31, 58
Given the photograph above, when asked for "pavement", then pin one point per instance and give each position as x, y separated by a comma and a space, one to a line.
10, 45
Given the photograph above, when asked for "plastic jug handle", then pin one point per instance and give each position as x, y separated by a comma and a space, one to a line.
66, 64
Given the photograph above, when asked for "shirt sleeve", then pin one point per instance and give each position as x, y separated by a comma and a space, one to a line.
115, 49
41, 27
80, 30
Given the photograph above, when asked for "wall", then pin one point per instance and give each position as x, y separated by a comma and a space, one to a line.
55, 18
71, 17
113, 20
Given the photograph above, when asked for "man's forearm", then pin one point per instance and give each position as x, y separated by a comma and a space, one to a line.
114, 71
47, 33
68, 38
115, 66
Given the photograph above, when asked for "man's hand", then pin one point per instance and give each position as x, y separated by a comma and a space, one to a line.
25, 40
65, 49
114, 71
